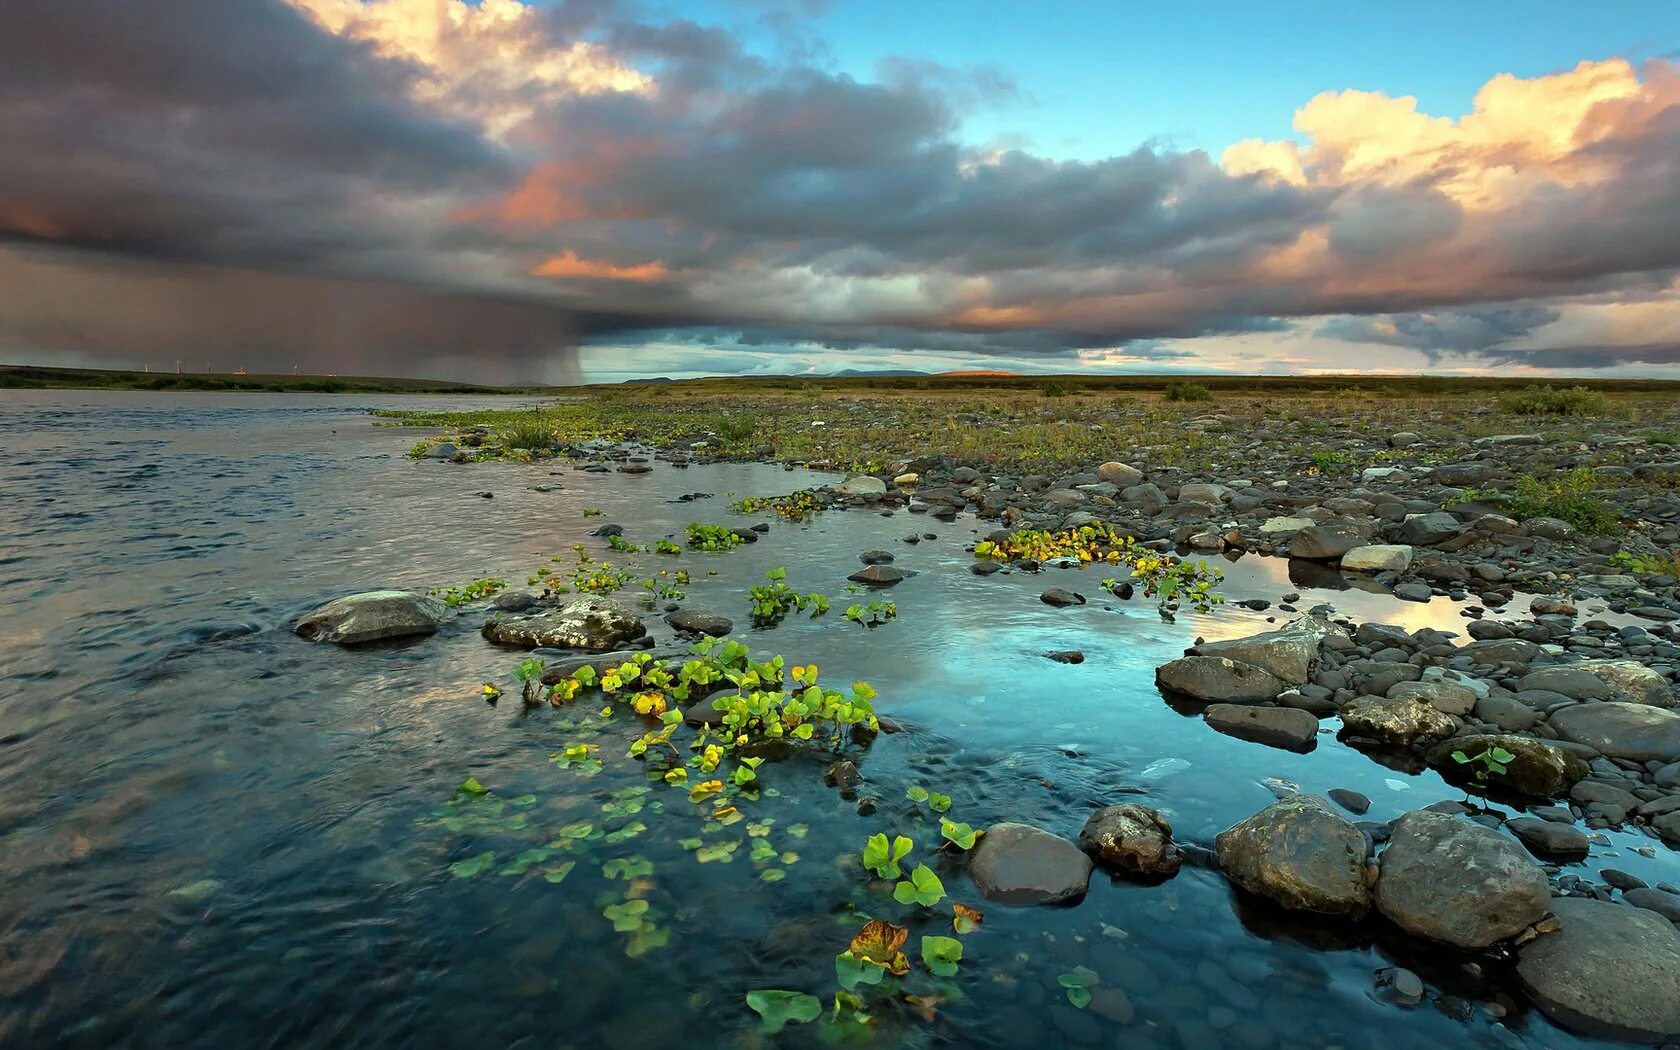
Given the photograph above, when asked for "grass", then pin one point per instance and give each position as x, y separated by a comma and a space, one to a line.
1555, 401
1568, 497
527, 431
1188, 392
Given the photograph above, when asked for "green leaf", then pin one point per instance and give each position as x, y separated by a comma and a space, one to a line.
939, 803
471, 786
851, 971
941, 954
1503, 756
559, 871
960, 835
883, 859
781, 1008
1079, 997
627, 916
915, 794
923, 887
472, 866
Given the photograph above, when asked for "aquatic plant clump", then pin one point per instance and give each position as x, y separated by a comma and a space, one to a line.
774, 599
712, 537
1167, 579
795, 506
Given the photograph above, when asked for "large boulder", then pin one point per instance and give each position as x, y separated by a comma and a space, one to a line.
372, 616
1288, 653
1120, 474
1630, 681
1611, 971
1446, 697
593, 624
1378, 557
1287, 727
1325, 542
1638, 732
1021, 864
1131, 839
1536, 767
1394, 719
1421, 530
1299, 854
1218, 680
1457, 882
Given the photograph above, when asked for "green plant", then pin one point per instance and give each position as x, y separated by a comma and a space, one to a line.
780, 1008
1163, 578
1187, 392
1077, 984
1489, 762
959, 835
882, 858
795, 506
592, 512
874, 614
471, 592
667, 547
531, 433
774, 599
601, 579
712, 537
1651, 564
529, 673
922, 887
935, 801
619, 543
941, 954
1568, 497
1555, 401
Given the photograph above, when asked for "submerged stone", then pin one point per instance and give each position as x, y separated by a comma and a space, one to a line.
1131, 839
1020, 864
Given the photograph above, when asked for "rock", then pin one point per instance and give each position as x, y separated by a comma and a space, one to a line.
1061, 597
1571, 681
1066, 656
878, 575
372, 616
1550, 840
1216, 678
876, 557
1630, 681
1445, 697
1413, 592
862, 485
1378, 557
1204, 492
592, 624
1611, 971
1131, 839
1325, 542
1284, 727
1457, 882
700, 622
1289, 653
1665, 904
442, 450
843, 775
1299, 854
1120, 474
1284, 526
1536, 768
1422, 530
908, 479
1402, 987
1394, 720
1621, 730
1352, 801
1020, 864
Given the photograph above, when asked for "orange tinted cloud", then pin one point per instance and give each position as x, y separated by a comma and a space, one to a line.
568, 264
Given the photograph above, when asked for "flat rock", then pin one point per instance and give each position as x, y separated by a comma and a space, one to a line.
1299, 854
1218, 679
1550, 840
372, 616
1611, 971
1638, 732
700, 622
593, 624
862, 485
1131, 839
878, 575
1325, 542
1630, 681
1288, 653
1061, 597
1378, 557
1020, 864
1394, 720
1284, 727
1457, 882
1445, 697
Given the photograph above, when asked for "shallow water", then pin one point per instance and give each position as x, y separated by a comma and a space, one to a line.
217, 833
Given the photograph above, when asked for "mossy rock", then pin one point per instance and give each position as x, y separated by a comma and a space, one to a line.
1539, 769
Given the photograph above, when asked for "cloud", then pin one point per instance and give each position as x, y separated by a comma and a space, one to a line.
579, 171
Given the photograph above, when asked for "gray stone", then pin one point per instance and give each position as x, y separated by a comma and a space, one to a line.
1289, 653
1283, 727
1536, 768
1350, 800
878, 575
1630, 681
700, 622
1061, 597
1610, 971
1622, 730
1550, 840
1378, 557
1401, 720
1299, 854
1325, 542
1421, 530
1131, 839
372, 616
592, 624
1120, 474
1662, 903
1218, 679
1457, 882
1445, 697
862, 485
1020, 864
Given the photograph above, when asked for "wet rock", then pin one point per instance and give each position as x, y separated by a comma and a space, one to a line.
1218, 679
1131, 839
1350, 800
442, 450
372, 616
1061, 597
1066, 656
1550, 840
1537, 768
1394, 720
1282, 727
1445, 697
1299, 854
1284, 526
843, 775
1621, 730
985, 568
878, 575
592, 624
1662, 903
1413, 592
1020, 864
700, 623
1457, 882
862, 485
1378, 557
1325, 542
1399, 986
1289, 653
876, 557
1610, 971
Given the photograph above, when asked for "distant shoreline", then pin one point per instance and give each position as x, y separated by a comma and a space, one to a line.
40, 377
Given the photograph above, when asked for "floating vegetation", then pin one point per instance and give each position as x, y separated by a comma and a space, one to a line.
667, 547
1166, 579
454, 597
774, 599
873, 614
712, 537
795, 506
618, 543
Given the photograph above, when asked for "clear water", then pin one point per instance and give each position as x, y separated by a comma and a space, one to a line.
215, 833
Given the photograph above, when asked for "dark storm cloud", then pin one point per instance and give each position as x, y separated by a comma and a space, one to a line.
1592, 358
1460, 331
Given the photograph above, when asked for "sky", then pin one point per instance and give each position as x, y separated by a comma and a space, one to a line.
514, 191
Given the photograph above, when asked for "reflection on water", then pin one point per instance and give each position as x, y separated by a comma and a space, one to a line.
219, 834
